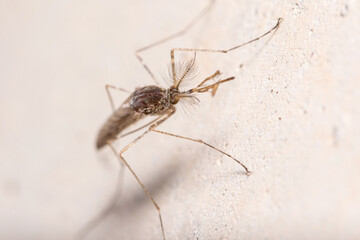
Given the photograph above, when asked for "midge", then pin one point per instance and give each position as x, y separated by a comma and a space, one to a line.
157, 101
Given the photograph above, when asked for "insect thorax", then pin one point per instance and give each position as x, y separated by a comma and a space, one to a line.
150, 100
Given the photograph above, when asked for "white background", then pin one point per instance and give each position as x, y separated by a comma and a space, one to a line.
292, 116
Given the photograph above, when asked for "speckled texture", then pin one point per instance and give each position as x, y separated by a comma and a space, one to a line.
292, 116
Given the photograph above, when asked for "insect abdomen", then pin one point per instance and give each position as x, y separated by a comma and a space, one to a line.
118, 121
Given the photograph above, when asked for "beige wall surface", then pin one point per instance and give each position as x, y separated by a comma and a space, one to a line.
292, 116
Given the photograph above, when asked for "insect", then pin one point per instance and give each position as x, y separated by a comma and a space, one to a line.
156, 101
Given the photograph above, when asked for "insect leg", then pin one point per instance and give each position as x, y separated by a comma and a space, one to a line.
107, 88
139, 128
94, 222
182, 32
202, 142
168, 114
217, 73
123, 161
142, 186
213, 87
172, 52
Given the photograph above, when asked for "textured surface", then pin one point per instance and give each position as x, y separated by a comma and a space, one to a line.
292, 116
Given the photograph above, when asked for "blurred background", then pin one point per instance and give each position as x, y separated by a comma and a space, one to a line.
292, 116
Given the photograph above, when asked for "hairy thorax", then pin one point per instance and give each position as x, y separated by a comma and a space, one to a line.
150, 100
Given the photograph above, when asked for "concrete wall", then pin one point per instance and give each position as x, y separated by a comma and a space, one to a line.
292, 116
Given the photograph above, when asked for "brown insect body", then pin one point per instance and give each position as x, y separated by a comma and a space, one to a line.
156, 101
148, 100
122, 118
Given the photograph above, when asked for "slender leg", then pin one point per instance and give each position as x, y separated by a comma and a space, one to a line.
139, 128
107, 87
172, 52
168, 114
92, 224
123, 161
182, 32
213, 87
201, 141
217, 73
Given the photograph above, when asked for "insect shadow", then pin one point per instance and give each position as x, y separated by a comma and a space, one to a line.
161, 103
